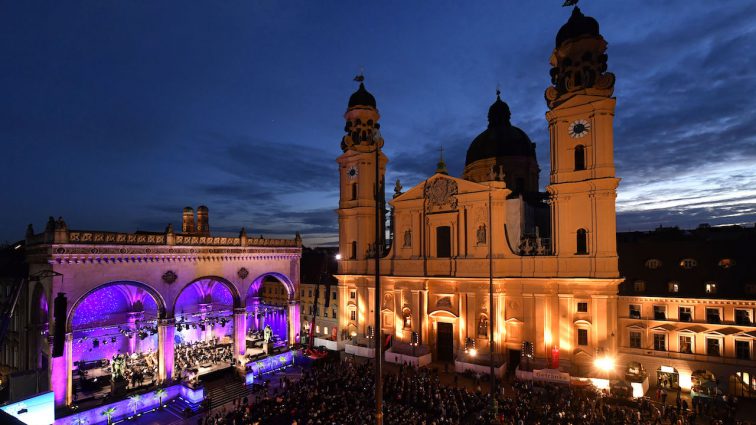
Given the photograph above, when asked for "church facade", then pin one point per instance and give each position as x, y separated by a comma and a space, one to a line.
551, 256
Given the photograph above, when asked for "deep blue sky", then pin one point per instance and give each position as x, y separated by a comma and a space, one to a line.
117, 114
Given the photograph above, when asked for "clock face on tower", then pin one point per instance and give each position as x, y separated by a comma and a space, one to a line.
351, 172
579, 128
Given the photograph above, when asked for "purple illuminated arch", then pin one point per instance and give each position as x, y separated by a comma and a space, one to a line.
254, 288
208, 286
120, 295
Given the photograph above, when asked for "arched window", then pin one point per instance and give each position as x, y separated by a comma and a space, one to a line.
483, 326
579, 157
582, 241
407, 318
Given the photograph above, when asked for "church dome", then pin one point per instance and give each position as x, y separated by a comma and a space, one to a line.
501, 138
576, 26
361, 97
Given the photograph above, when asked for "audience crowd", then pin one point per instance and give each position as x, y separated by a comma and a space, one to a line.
342, 393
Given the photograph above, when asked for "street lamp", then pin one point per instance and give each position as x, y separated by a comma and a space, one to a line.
338, 257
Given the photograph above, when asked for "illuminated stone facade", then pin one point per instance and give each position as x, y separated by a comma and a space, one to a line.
555, 290
152, 270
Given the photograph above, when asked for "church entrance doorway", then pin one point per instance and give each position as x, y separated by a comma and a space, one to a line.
445, 342
514, 359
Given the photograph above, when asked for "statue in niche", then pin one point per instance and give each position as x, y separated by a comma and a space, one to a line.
267, 333
408, 238
481, 234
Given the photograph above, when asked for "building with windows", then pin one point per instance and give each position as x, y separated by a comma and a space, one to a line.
319, 297
687, 306
553, 264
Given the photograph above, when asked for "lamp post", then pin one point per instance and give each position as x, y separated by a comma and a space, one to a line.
377, 252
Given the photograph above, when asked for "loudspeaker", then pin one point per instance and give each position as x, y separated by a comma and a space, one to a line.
59, 334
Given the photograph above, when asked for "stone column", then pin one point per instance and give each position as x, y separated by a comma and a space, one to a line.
60, 374
293, 325
423, 315
166, 331
240, 335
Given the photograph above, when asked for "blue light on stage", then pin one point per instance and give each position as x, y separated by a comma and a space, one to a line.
268, 364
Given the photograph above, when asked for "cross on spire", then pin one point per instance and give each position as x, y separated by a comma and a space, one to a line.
441, 166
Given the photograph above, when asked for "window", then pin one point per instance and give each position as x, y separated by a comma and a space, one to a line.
726, 263
325, 330
333, 295
483, 326
743, 350
711, 288
639, 286
743, 317
353, 294
309, 293
582, 242
582, 335
713, 316
635, 311
673, 287
443, 242
712, 347
660, 312
660, 342
653, 263
333, 313
635, 340
353, 315
685, 314
354, 191
353, 255
579, 157
686, 344
688, 263
407, 319
582, 307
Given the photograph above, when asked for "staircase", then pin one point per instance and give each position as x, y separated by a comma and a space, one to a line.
222, 391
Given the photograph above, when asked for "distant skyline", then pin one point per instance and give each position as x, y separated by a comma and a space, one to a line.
116, 115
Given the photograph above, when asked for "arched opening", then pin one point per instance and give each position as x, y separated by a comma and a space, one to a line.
114, 346
483, 326
582, 242
204, 335
267, 311
579, 158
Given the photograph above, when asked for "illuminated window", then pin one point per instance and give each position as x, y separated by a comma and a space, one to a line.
325, 330
582, 307
653, 263
317, 328
711, 288
639, 286
635, 340
688, 263
673, 287
660, 342
582, 335
726, 263
582, 242
352, 315
686, 344
407, 318
579, 157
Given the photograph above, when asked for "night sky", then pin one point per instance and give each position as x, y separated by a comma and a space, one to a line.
116, 115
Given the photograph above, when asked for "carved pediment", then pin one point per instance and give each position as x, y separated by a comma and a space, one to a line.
441, 194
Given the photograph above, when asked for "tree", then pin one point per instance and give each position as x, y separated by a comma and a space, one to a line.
80, 421
109, 413
135, 401
159, 394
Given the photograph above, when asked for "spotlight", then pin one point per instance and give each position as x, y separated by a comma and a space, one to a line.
104, 341
113, 340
